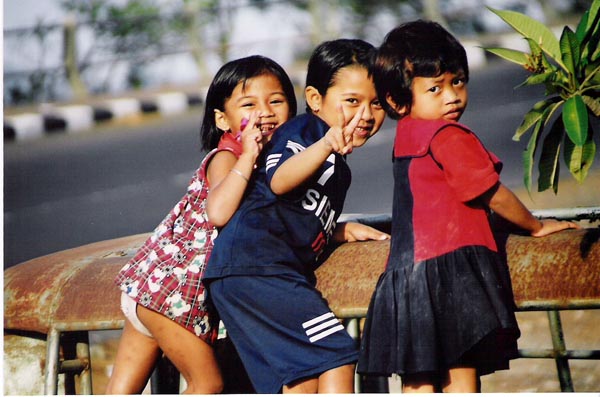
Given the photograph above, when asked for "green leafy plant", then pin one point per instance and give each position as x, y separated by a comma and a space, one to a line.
569, 68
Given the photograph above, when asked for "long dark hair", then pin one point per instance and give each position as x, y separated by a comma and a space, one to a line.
227, 78
331, 56
414, 49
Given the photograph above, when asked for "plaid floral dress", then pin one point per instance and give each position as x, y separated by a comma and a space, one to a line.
165, 275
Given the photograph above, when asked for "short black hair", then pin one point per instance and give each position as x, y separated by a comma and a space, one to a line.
414, 49
330, 56
227, 78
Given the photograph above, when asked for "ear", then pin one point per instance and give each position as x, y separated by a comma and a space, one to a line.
401, 110
221, 121
313, 98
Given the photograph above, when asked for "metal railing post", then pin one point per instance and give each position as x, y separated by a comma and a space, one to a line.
83, 355
560, 351
51, 369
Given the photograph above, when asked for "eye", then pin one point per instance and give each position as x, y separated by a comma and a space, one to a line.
247, 104
434, 89
353, 101
376, 104
459, 81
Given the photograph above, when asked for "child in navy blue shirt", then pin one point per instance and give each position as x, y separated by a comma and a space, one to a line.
260, 273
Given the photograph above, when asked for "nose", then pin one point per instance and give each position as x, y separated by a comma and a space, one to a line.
452, 96
368, 113
266, 110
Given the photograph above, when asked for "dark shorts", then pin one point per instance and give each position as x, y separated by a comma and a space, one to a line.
282, 328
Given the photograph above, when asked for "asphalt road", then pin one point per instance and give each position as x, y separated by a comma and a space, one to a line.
67, 190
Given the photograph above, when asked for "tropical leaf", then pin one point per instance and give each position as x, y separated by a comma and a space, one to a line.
582, 27
587, 37
530, 28
593, 104
594, 10
529, 154
588, 20
575, 118
595, 55
569, 68
538, 79
535, 114
539, 62
548, 165
518, 57
569, 48
579, 158
591, 40
592, 74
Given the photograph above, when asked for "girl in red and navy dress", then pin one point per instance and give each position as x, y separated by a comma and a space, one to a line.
164, 299
442, 313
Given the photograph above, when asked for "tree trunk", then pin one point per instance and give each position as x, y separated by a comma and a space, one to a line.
70, 60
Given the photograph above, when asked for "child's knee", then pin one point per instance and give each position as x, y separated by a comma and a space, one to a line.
208, 385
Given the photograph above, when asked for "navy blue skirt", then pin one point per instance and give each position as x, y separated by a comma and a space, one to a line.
453, 310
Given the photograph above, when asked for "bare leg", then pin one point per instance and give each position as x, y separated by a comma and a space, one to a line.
305, 386
461, 380
418, 383
193, 357
337, 380
137, 355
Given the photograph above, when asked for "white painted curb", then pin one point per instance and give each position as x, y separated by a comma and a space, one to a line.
77, 117
171, 103
123, 107
26, 125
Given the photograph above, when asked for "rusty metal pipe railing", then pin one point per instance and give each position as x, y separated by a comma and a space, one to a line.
72, 291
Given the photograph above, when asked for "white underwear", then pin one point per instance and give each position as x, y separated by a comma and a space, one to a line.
128, 306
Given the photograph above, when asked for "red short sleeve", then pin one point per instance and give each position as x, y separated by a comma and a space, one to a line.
229, 142
469, 168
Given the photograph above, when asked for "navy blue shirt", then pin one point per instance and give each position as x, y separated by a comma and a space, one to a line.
272, 234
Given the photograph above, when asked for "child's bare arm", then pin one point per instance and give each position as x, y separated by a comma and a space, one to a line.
228, 176
227, 186
506, 204
298, 168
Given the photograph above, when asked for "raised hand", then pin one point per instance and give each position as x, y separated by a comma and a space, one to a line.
251, 135
339, 136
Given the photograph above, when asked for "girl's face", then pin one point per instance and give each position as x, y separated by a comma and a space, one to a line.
352, 88
263, 94
442, 97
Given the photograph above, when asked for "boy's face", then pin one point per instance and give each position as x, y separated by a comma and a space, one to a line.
353, 89
442, 97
